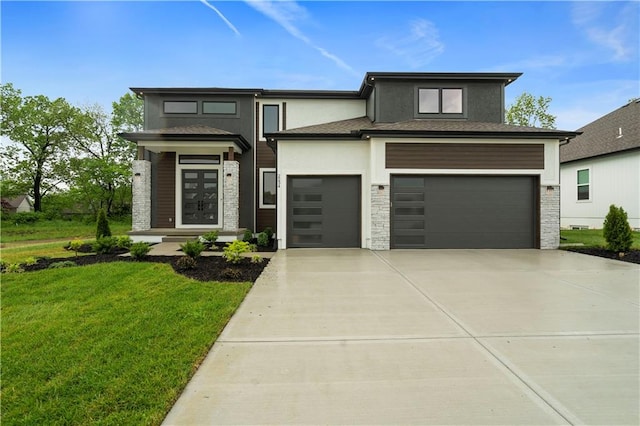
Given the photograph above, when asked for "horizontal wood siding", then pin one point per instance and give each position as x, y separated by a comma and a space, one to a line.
464, 156
266, 218
166, 191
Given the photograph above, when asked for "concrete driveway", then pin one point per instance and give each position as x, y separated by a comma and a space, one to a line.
426, 337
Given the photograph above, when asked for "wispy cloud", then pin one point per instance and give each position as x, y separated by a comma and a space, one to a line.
226, 21
615, 33
419, 47
287, 14
538, 63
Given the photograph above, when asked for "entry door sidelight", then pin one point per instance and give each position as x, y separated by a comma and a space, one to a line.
199, 197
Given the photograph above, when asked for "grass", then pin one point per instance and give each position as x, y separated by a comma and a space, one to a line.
105, 344
19, 254
56, 229
591, 238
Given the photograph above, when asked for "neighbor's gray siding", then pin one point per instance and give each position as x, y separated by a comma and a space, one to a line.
395, 100
241, 123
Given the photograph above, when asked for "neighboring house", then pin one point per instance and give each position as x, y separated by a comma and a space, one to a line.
18, 204
601, 167
410, 160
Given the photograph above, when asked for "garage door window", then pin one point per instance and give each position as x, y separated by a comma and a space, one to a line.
584, 180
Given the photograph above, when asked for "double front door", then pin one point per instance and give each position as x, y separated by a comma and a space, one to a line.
199, 197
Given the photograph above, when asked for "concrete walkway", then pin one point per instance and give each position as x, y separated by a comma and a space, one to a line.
426, 337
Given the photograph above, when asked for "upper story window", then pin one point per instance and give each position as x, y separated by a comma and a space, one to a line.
219, 107
440, 101
180, 107
584, 180
270, 118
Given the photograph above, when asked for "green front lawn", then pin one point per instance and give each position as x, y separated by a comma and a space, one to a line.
56, 229
105, 344
591, 238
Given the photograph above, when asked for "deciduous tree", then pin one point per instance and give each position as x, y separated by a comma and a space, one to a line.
528, 110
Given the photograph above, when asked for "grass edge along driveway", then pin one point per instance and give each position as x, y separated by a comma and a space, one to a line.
105, 344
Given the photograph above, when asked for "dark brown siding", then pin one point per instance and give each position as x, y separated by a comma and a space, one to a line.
464, 156
265, 158
165, 201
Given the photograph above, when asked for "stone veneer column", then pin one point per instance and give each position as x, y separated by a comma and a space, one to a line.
231, 194
141, 191
380, 217
549, 216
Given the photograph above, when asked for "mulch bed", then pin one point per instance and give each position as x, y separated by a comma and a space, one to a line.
633, 256
208, 268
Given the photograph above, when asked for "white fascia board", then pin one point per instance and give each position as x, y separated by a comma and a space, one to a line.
172, 146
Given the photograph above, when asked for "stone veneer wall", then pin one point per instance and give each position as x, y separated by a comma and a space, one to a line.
141, 191
231, 196
380, 217
549, 216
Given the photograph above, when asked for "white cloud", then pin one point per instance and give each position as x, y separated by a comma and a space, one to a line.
419, 47
618, 33
226, 21
535, 63
287, 14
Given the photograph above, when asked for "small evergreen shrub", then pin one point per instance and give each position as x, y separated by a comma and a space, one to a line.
248, 235
102, 226
139, 250
186, 262
233, 251
263, 239
193, 248
75, 245
124, 241
63, 264
104, 245
210, 237
231, 273
269, 231
616, 230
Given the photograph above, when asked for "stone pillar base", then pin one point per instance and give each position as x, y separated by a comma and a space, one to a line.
380, 217
141, 191
549, 216
231, 196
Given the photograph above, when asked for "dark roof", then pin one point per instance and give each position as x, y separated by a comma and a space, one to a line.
615, 132
16, 201
363, 126
188, 133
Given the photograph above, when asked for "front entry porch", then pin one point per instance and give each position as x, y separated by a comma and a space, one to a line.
178, 235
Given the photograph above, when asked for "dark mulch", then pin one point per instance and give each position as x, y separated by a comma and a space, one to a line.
208, 268
633, 256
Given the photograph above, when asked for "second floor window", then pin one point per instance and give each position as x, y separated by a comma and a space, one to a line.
440, 101
270, 118
218, 107
180, 107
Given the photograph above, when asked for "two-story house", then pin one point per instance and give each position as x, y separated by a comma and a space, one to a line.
410, 160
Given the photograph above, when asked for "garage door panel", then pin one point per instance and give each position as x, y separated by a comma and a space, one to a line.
463, 211
323, 211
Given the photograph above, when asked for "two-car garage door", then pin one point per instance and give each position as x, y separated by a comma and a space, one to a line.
463, 211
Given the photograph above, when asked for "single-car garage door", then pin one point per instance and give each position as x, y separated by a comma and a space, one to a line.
323, 211
463, 211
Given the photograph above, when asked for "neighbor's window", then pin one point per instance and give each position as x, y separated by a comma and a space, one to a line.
270, 118
440, 101
218, 107
268, 188
180, 107
583, 184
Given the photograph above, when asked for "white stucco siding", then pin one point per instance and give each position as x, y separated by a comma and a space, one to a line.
548, 176
614, 179
297, 158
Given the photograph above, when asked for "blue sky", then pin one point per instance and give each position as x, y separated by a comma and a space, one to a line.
582, 54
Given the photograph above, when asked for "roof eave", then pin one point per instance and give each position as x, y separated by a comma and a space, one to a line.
170, 137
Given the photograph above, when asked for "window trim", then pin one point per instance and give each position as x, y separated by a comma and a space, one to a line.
262, 182
164, 107
277, 117
440, 114
589, 185
226, 114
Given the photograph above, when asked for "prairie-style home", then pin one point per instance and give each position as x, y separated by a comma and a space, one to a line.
409, 160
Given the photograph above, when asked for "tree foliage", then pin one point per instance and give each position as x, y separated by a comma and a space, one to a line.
530, 111
617, 231
39, 132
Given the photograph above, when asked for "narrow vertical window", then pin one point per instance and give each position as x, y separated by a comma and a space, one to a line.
268, 188
584, 181
270, 118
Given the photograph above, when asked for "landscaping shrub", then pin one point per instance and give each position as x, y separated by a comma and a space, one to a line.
63, 264
30, 261
616, 230
231, 273
3, 265
186, 262
139, 250
248, 235
14, 268
75, 245
233, 251
269, 231
102, 227
256, 258
193, 248
263, 239
124, 241
210, 237
104, 245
